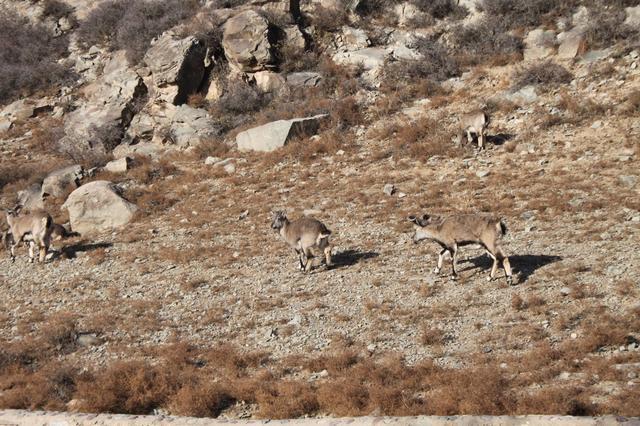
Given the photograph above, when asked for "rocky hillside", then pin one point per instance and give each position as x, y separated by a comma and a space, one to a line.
166, 133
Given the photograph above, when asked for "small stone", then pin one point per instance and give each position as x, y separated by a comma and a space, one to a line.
389, 189
230, 168
118, 166
482, 173
211, 160
565, 291
371, 348
565, 375
574, 335
596, 124
530, 228
243, 215
487, 349
503, 365
401, 195
340, 152
529, 214
634, 65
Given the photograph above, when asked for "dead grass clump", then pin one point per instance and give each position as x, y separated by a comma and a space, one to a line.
60, 331
607, 27
520, 14
131, 25
200, 400
419, 140
440, 9
193, 284
547, 74
126, 387
286, 400
432, 336
29, 56
487, 41
517, 302
571, 401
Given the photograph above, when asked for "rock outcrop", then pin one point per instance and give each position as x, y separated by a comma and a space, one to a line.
276, 134
98, 207
246, 42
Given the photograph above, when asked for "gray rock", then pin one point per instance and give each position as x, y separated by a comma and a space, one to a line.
98, 207
539, 44
628, 180
633, 16
18, 110
350, 38
389, 189
482, 173
177, 66
118, 166
596, 55
572, 44
269, 81
304, 79
31, 198
88, 339
370, 58
276, 134
111, 102
528, 215
565, 291
526, 95
246, 43
61, 182
190, 126
209, 161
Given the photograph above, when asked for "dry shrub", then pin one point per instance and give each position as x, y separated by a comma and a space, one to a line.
56, 9
329, 20
419, 140
487, 41
29, 57
526, 13
547, 74
286, 400
432, 336
60, 331
552, 400
518, 303
436, 65
131, 25
131, 387
200, 400
607, 27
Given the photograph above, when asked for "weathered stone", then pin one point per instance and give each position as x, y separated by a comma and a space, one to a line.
269, 81
97, 207
572, 44
389, 189
190, 126
118, 166
18, 110
524, 96
294, 39
111, 103
246, 42
31, 198
306, 79
539, 44
633, 17
370, 58
5, 124
350, 39
61, 182
276, 134
177, 66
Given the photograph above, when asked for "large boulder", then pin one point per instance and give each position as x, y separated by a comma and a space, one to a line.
304, 79
31, 197
571, 43
177, 66
370, 58
633, 16
98, 207
539, 44
350, 38
61, 182
190, 126
246, 42
111, 102
269, 81
276, 134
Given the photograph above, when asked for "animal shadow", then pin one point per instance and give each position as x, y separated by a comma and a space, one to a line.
523, 265
71, 251
351, 257
500, 138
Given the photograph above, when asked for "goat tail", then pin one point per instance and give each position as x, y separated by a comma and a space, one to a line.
47, 222
502, 227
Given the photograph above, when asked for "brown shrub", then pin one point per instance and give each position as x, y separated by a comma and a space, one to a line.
286, 400
29, 57
200, 400
606, 27
60, 331
431, 336
526, 13
547, 74
131, 25
487, 41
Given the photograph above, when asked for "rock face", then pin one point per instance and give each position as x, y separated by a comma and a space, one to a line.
98, 207
633, 16
190, 126
539, 44
246, 42
118, 166
112, 101
572, 44
269, 81
31, 198
276, 134
304, 79
61, 182
177, 66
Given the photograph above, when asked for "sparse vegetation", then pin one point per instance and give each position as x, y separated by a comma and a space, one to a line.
131, 25
29, 57
547, 74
